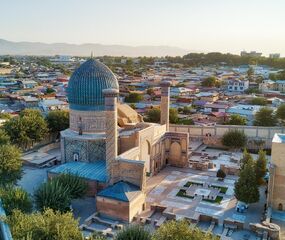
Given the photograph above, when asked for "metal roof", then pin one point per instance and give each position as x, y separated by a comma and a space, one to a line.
91, 171
122, 191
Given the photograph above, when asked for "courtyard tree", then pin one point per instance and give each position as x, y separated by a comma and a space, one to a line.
236, 119
133, 232
260, 167
246, 188
57, 120
43, 226
26, 129
246, 157
265, 117
234, 139
10, 164
221, 174
177, 230
15, 198
53, 195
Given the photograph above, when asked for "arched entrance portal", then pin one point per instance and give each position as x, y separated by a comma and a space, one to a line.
175, 152
280, 207
145, 154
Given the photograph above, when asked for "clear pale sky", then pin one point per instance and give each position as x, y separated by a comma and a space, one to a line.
201, 25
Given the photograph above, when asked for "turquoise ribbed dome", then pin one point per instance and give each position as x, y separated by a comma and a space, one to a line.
86, 84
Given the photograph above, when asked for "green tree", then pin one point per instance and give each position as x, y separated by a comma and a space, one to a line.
53, 195
280, 113
77, 187
221, 174
43, 226
210, 82
26, 129
97, 236
178, 230
150, 91
260, 167
15, 198
133, 98
57, 120
4, 138
259, 101
246, 157
50, 90
10, 164
236, 119
133, 232
234, 139
153, 115
265, 117
5, 116
246, 188
173, 115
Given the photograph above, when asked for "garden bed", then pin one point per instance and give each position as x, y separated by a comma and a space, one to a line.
222, 189
182, 193
188, 184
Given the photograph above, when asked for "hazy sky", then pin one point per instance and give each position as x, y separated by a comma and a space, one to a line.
201, 25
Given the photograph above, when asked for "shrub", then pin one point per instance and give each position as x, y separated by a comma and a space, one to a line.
221, 174
77, 186
53, 195
133, 232
234, 139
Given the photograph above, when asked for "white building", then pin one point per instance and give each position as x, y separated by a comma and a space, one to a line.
237, 85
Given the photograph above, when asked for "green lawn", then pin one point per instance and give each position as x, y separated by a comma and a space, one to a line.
182, 193
217, 200
188, 184
222, 189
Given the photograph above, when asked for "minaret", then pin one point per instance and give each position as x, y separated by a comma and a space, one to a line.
164, 105
111, 96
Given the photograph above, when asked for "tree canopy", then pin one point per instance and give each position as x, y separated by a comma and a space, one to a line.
43, 226
260, 168
10, 164
265, 117
133, 98
26, 129
57, 120
4, 138
234, 139
236, 119
177, 230
259, 101
15, 198
280, 113
210, 82
246, 188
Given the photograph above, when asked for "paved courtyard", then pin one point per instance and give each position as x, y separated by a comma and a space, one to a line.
163, 188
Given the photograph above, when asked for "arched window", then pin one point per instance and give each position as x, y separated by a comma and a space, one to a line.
75, 157
280, 207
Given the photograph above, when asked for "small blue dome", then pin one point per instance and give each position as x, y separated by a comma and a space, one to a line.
86, 84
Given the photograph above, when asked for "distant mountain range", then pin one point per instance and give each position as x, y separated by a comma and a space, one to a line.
45, 49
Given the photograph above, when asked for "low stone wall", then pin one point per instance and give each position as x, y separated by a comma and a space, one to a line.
206, 132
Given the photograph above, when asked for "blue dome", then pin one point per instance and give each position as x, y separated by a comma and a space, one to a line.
86, 84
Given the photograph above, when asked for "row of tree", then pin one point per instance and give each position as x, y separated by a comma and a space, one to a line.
31, 127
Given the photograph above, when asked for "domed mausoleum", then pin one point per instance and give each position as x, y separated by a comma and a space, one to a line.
86, 85
110, 146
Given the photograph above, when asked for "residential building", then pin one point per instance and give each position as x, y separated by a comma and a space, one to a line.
237, 85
